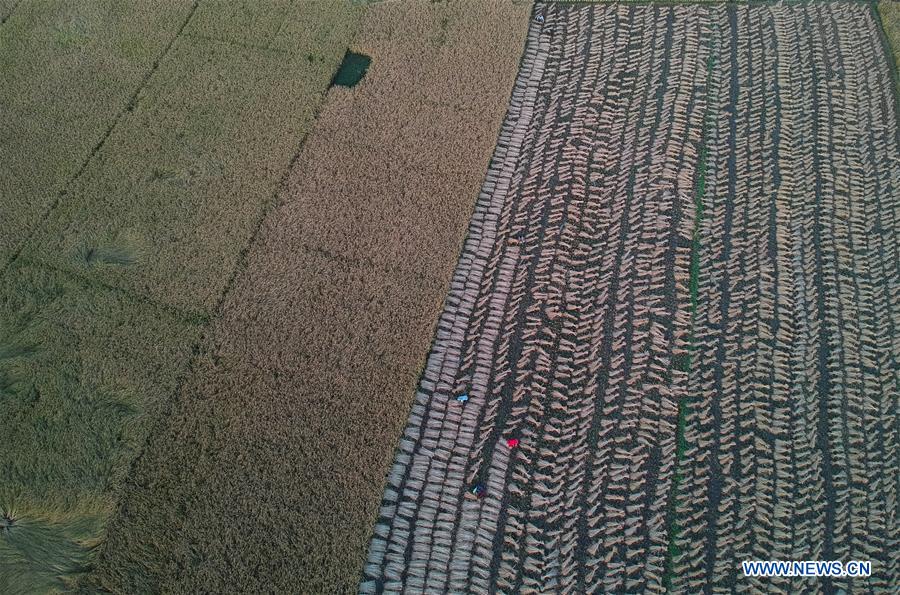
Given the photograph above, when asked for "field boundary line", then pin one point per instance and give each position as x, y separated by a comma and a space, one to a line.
129, 106
363, 263
269, 205
236, 44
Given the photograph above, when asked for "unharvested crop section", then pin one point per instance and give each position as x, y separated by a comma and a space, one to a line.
889, 15
6, 8
139, 147
66, 72
268, 472
182, 181
587, 304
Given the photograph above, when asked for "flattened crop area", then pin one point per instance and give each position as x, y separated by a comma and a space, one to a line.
679, 295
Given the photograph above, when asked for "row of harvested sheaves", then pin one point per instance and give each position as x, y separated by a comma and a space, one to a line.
758, 143
792, 423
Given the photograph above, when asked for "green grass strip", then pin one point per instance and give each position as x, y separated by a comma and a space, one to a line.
684, 364
887, 16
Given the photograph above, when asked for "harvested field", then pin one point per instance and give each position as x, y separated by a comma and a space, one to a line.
66, 76
792, 421
183, 180
678, 294
268, 472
